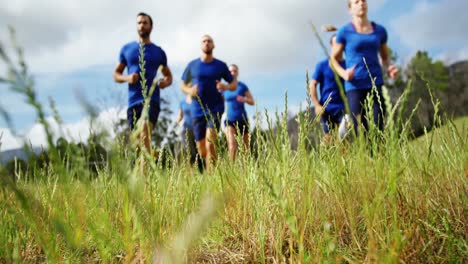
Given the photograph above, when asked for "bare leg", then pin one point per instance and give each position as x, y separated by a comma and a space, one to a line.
231, 141
145, 141
211, 138
327, 140
246, 139
201, 147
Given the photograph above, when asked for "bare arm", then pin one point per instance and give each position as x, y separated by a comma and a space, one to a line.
391, 70
166, 80
385, 55
247, 98
180, 116
188, 88
121, 78
337, 53
313, 91
313, 95
232, 86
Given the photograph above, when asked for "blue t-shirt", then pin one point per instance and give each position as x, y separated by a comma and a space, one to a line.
327, 85
236, 110
185, 107
154, 57
206, 75
358, 46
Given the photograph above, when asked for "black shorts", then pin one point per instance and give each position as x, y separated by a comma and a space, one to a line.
331, 120
201, 124
241, 126
134, 113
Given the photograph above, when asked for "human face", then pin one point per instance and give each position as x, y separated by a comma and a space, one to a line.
207, 45
144, 26
358, 7
234, 71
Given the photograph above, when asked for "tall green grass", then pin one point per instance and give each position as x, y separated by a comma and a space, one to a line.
343, 203
381, 201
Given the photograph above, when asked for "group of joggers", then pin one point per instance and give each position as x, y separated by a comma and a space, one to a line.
210, 84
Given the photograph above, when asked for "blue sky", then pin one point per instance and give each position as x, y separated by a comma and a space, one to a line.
72, 46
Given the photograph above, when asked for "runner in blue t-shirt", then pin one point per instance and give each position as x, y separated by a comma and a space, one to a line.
202, 80
154, 58
363, 40
325, 77
188, 139
236, 115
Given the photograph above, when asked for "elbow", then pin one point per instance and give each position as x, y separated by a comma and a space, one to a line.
117, 77
183, 88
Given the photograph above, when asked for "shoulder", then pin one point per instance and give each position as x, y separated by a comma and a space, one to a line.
321, 65
242, 85
130, 45
156, 48
194, 63
219, 62
379, 28
345, 29
324, 63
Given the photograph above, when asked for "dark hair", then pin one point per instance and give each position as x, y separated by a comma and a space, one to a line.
331, 38
146, 15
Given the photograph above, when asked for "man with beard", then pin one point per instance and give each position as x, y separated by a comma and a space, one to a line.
202, 80
154, 58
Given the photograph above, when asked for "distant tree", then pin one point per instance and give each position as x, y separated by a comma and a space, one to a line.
164, 133
427, 73
62, 147
399, 81
96, 154
14, 167
428, 78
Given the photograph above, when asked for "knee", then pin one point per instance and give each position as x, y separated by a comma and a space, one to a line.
232, 144
201, 148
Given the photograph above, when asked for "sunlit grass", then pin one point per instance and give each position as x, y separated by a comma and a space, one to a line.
343, 203
380, 198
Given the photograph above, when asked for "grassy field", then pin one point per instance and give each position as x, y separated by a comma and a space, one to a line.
385, 201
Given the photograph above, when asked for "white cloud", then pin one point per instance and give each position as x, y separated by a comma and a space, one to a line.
76, 132
8, 140
453, 56
259, 35
434, 25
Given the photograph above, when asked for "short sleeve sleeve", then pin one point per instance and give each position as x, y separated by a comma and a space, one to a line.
163, 58
384, 36
122, 58
341, 36
244, 89
187, 76
227, 76
318, 73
